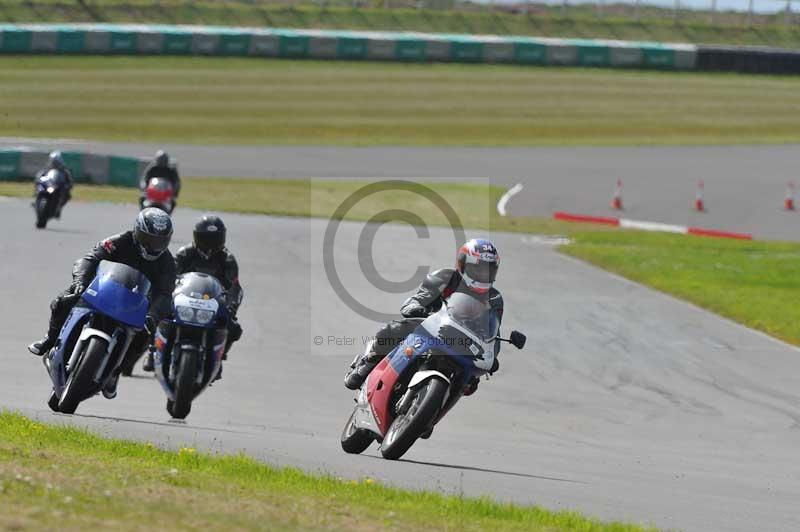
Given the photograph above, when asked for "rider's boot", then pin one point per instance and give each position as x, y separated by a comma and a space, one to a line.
361, 367
427, 434
148, 364
42, 346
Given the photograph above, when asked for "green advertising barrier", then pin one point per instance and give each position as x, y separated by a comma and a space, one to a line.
410, 50
531, 53
351, 48
71, 42
593, 54
122, 42
9, 165
469, 51
177, 43
123, 172
657, 57
234, 44
294, 45
16, 40
73, 161
347, 45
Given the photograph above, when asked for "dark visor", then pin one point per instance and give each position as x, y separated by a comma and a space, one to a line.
154, 244
484, 272
210, 241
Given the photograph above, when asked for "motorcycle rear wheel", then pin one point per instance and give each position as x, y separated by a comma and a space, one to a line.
407, 427
354, 439
80, 380
184, 385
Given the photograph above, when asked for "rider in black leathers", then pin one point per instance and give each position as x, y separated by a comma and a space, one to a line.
476, 267
208, 254
145, 249
55, 161
160, 167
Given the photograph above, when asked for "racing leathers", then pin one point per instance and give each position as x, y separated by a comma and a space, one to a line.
434, 290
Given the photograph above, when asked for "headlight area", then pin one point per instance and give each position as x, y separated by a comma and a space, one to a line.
190, 315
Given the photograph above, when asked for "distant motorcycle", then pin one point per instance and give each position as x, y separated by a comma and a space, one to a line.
50, 191
159, 193
413, 387
96, 336
189, 360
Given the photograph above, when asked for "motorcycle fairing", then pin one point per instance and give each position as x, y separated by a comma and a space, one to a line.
56, 360
126, 304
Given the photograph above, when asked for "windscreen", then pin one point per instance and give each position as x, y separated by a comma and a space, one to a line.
474, 314
124, 275
198, 286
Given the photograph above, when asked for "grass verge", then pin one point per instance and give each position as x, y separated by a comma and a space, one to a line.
66, 478
618, 22
182, 99
754, 283
475, 204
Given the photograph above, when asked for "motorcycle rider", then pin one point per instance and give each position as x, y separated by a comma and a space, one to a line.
161, 168
476, 267
55, 161
207, 254
143, 248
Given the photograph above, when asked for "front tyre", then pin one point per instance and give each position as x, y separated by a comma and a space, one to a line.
53, 402
41, 212
184, 384
354, 439
409, 426
80, 384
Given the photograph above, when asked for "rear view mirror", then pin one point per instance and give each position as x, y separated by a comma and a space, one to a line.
518, 339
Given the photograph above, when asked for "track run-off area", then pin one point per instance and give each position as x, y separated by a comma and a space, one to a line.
744, 186
625, 404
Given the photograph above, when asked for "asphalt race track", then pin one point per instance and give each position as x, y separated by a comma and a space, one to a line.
744, 185
626, 404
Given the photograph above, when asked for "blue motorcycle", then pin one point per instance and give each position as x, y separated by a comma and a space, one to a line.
49, 195
416, 384
189, 348
96, 335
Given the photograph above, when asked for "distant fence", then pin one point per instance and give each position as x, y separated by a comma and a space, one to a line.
23, 163
385, 46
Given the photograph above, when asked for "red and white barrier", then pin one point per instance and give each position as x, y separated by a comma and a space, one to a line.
650, 226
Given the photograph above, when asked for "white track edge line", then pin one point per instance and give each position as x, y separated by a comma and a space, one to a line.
501, 205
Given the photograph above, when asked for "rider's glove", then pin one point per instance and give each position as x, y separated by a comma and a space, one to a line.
415, 311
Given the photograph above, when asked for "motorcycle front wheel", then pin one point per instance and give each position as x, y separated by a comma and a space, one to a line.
41, 212
354, 439
80, 384
410, 425
184, 384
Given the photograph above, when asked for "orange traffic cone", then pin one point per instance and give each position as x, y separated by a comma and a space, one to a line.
788, 201
616, 201
699, 202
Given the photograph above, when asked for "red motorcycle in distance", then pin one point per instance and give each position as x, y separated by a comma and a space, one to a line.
159, 193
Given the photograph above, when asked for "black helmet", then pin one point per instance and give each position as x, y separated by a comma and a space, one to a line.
209, 235
152, 232
162, 158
